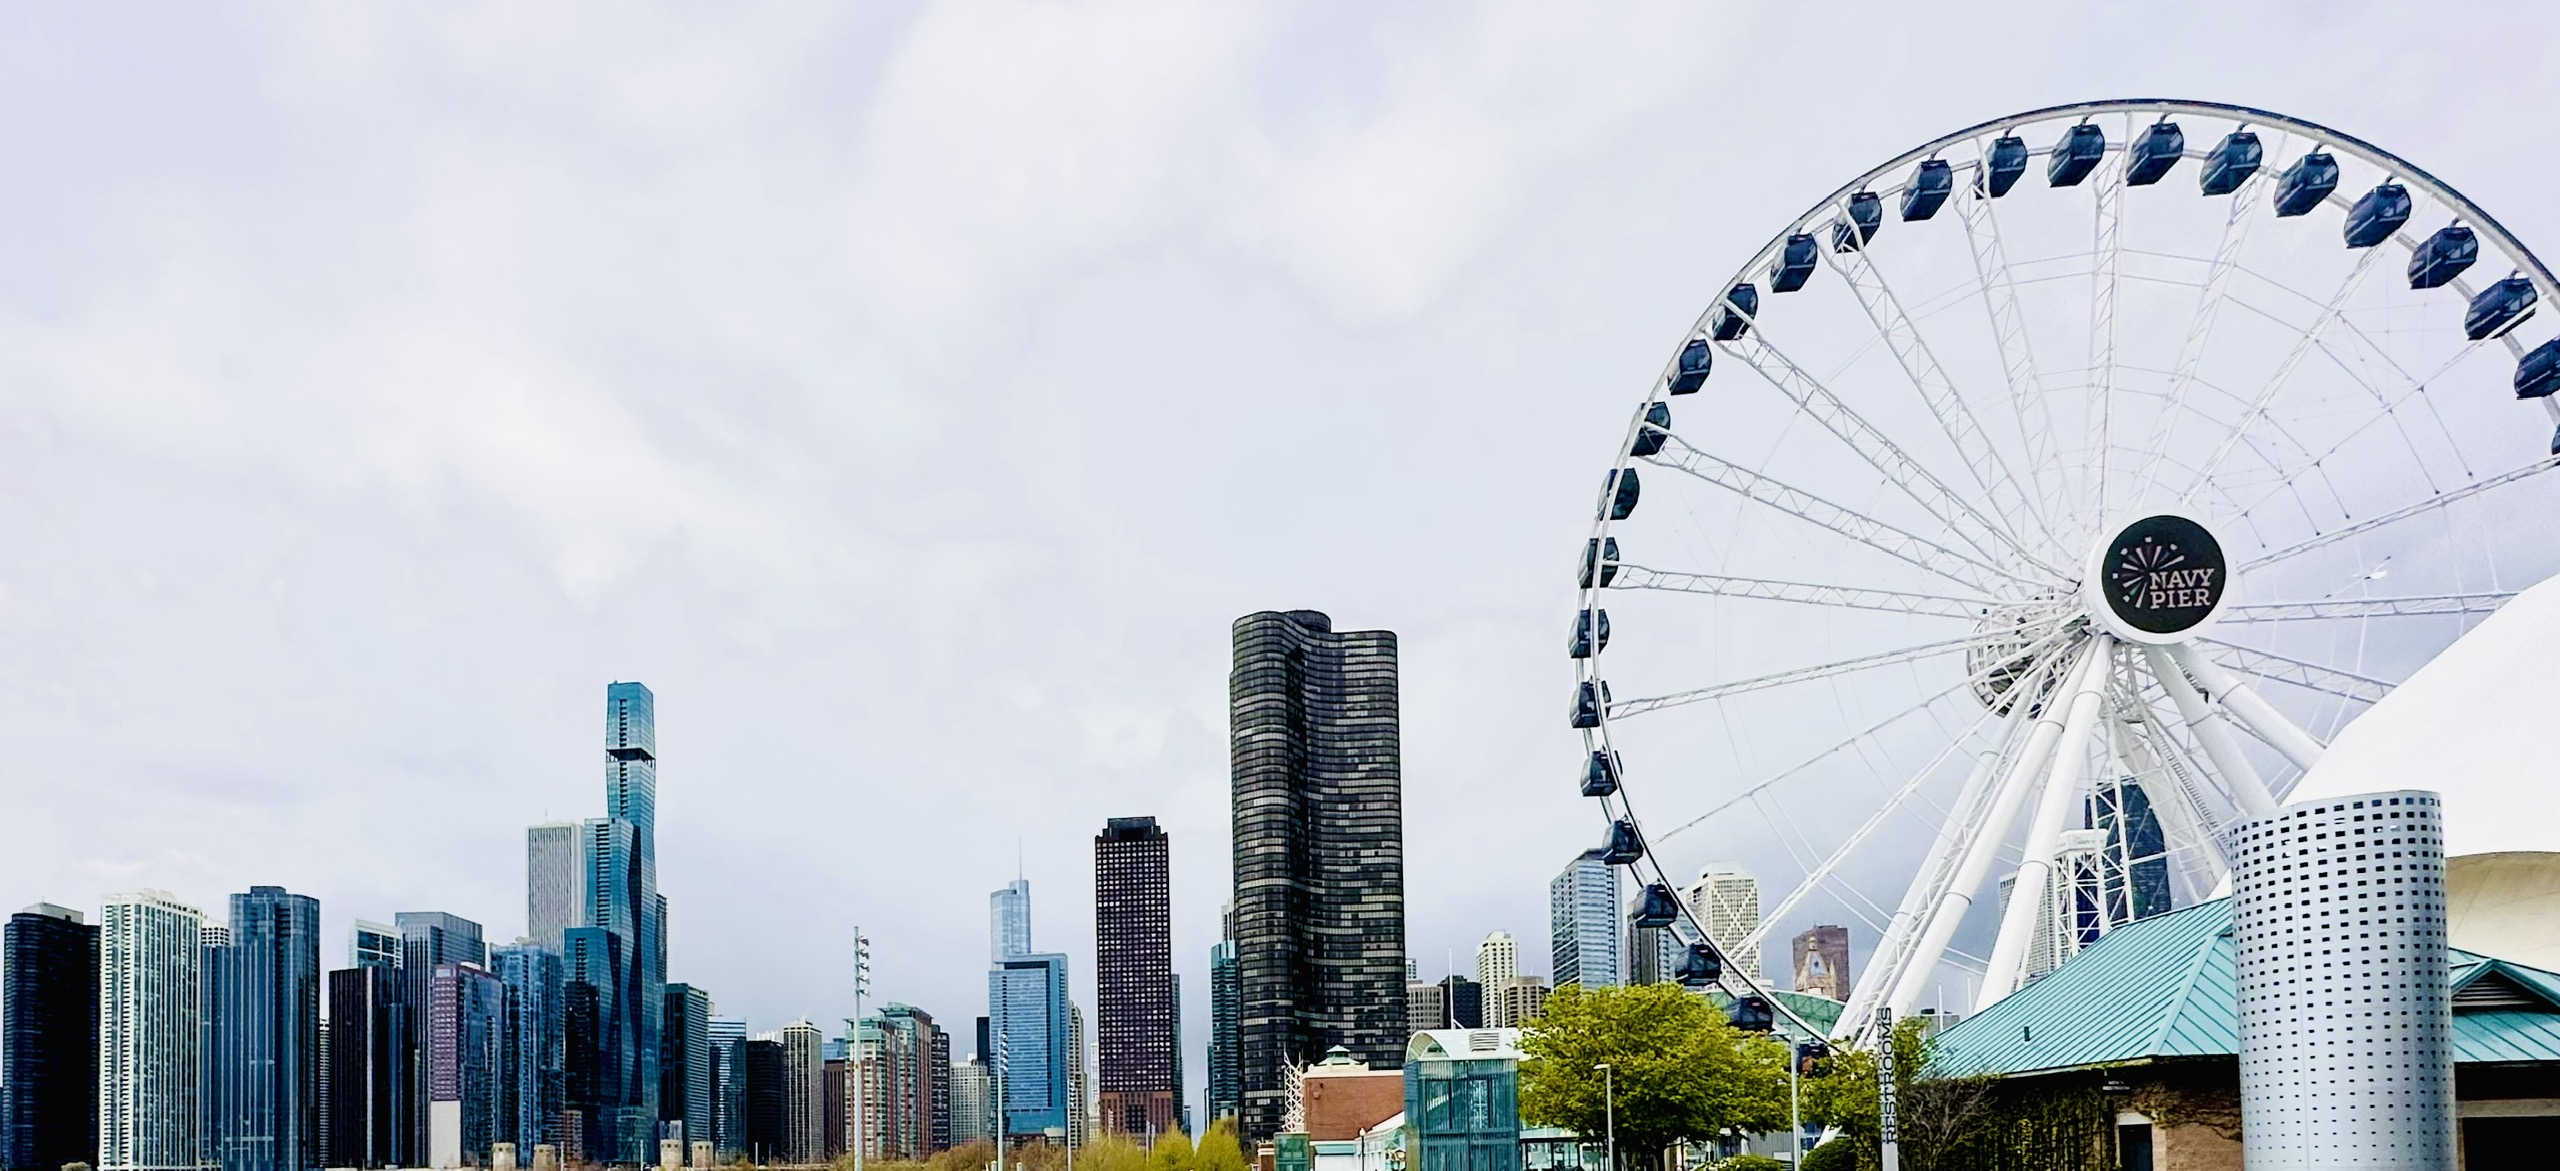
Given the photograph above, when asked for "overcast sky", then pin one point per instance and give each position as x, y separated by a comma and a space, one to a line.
911, 395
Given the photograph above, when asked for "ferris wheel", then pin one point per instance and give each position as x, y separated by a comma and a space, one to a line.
2037, 504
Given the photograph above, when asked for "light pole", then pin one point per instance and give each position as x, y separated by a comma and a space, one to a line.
1609, 1107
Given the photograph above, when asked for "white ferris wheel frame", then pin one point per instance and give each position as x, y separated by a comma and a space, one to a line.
2216, 703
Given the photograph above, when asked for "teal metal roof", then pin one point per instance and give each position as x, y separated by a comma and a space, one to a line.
2163, 988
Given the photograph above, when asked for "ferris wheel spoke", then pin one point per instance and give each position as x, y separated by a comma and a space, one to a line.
1638, 577
2105, 278
2413, 388
1909, 654
1780, 777
1858, 837
2226, 257
1847, 522
2284, 372
1901, 334
1819, 403
2395, 516
2402, 607
2309, 676
2009, 332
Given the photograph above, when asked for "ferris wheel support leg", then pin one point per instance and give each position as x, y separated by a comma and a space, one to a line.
1983, 844
2028, 897
2247, 791
1888, 964
2243, 701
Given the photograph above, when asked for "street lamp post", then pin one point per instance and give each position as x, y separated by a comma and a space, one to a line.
1609, 1108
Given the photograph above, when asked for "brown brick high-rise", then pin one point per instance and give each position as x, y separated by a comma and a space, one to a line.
1319, 850
1135, 1004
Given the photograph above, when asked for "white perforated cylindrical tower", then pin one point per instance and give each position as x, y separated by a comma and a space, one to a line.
2346, 1026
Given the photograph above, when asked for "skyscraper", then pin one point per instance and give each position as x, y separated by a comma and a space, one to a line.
900, 1082
48, 1039
1319, 850
372, 945
1028, 1020
265, 1087
1497, 966
1226, 1084
1726, 900
1463, 1001
728, 1088
551, 881
369, 1074
1822, 962
1079, 1088
617, 952
533, 1043
684, 1062
1426, 1006
1583, 934
1009, 921
429, 939
763, 1114
972, 1102
465, 1044
804, 1100
1134, 1007
150, 1033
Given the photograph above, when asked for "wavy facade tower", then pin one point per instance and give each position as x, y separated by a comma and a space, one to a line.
2346, 1018
1319, 850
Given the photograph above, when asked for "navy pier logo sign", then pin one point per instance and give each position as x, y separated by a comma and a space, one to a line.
2164, 575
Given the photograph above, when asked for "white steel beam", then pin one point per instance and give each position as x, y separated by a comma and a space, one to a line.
2030, 893
1982, 843
2243, 701
2246, 788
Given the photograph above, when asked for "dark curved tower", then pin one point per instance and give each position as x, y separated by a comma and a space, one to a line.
1319, 850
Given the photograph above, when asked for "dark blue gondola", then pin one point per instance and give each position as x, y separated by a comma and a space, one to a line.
2498, 308
2304, 184
1928, 189
1866, 214
2004, 164
2443, 257
1752, 1014
1621, 490
1656, 429
1657, 909
1696, 359
1733, 317
2154, 153
1607, 556
1700, 968
2377, 215
1588, 699
1809, 1057
1590, 636
1600, 776
2231, 163
2539, 373
2075, 156
1624, 846
1795, 263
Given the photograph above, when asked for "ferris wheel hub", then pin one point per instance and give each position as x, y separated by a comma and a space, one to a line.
2158, 580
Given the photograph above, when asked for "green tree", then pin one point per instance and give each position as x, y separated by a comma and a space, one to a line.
1109, 1152
1172, 1152
1679, 1069
1219, 1150
1930, 1116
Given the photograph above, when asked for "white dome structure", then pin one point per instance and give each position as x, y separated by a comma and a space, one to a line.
2476, 725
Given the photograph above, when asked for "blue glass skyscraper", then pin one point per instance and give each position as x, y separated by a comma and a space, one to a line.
532, 1044
615, 959
263, 1092
48, 1039
1009, 921
1027, 1019
466, 1013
